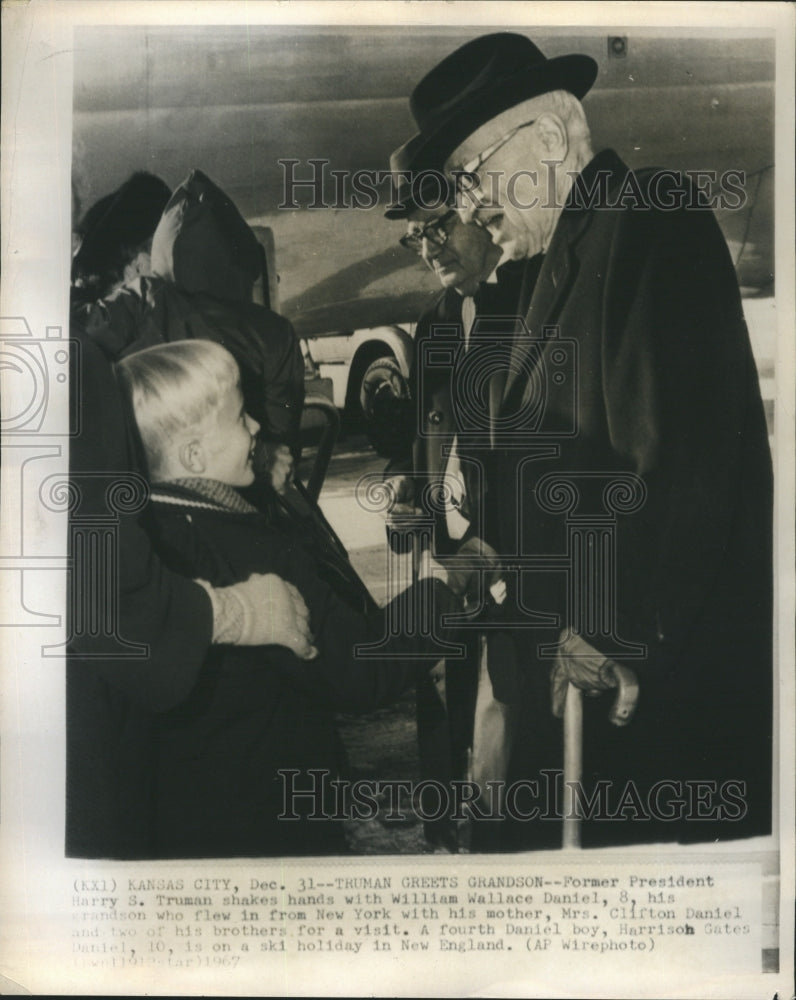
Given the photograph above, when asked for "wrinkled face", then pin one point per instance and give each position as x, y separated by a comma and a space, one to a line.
464, 259
228, 441
511, 193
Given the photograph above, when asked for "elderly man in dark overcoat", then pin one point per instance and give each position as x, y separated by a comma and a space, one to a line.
635, 481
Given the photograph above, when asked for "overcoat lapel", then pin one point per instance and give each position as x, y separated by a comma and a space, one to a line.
555, 279
559, 269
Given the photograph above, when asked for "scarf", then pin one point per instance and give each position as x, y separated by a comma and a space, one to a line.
204, 494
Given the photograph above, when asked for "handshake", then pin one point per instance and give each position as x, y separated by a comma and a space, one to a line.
474, 561
463, 571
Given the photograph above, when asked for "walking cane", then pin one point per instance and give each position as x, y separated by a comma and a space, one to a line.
621, 713
573, 763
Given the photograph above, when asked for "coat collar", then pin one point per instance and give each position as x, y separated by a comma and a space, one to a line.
204, 494
560, 263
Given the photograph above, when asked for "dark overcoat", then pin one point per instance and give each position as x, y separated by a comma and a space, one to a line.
139, 632
256, 712
636, 500
443, 401
440, 397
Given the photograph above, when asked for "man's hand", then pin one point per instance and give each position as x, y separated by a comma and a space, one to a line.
481, 562
382, 383
584, 666
402, 494
274, 614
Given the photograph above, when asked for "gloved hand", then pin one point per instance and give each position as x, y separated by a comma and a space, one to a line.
580, 663
263, 610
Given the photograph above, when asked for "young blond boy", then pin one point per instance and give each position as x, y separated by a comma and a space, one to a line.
260, 710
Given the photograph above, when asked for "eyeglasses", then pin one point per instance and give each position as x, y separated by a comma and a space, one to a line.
470, 170
436, 232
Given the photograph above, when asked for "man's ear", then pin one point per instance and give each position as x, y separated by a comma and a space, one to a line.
192, 457
552, 135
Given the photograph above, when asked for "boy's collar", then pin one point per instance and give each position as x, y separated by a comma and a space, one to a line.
216, 495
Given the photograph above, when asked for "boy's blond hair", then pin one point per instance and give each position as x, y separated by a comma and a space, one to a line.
174, 389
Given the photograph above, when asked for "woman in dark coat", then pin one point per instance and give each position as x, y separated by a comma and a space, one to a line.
207, 275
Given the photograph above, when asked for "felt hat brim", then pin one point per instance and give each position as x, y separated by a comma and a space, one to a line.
451, 124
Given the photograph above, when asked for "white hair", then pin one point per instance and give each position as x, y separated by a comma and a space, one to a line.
569, 109
558, 102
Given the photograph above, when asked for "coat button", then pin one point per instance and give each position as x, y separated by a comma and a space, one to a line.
435, 417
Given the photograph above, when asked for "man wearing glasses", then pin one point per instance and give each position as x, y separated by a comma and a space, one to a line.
630, 374
463, 257
459, 714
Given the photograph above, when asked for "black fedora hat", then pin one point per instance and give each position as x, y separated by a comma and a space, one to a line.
483, 78
420, 180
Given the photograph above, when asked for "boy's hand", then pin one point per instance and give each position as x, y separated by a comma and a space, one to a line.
274, 462
280, 467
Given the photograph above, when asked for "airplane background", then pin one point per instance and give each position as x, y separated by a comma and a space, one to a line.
234, 100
